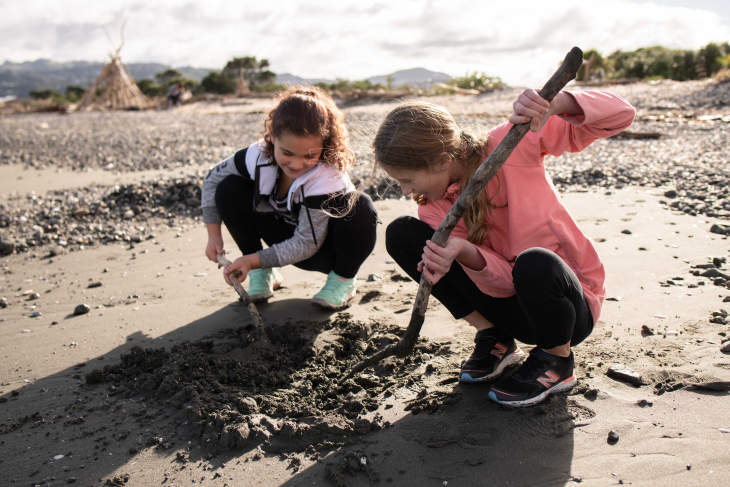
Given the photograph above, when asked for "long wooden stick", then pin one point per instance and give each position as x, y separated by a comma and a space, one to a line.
566, 72
257, 322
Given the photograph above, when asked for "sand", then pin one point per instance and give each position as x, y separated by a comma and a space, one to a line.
164, 293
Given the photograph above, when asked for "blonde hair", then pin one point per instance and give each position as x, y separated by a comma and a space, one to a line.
305, 111
416, 135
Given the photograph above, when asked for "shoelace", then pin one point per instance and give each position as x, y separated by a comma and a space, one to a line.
334, 281
530, 369
483, 345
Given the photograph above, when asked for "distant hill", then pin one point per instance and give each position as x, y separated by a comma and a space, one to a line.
416, 77
19, 79
290, 79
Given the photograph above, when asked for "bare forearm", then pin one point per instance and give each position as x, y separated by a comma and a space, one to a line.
471, 257
253, 260
564, 104
214, 229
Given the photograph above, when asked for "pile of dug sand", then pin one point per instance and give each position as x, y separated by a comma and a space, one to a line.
280, 391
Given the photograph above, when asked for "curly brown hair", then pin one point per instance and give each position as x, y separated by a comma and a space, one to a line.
307, 111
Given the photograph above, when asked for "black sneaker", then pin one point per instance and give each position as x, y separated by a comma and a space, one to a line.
492, 354
540, 375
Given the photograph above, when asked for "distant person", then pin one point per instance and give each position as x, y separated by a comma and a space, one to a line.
525, 269
291, 190
174, 94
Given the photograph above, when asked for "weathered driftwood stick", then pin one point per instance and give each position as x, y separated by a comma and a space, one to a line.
486, 171
257, 322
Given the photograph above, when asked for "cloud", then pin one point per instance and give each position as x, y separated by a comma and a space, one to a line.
520, 41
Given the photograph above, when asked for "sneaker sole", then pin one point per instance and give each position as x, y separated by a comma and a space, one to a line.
260, 298
322, 303
513, 358
563, 386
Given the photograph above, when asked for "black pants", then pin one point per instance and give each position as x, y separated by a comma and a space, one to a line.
350, 239
548, 309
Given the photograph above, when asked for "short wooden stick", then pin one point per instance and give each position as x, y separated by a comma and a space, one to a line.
258, 323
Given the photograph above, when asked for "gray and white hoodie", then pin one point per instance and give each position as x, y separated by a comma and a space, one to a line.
309, 192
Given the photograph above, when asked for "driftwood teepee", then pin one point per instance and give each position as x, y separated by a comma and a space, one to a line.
120, 89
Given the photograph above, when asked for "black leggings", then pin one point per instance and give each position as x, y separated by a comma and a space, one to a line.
349, 241
548, 309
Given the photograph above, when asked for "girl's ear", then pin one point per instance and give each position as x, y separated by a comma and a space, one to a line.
271, 134
445, 163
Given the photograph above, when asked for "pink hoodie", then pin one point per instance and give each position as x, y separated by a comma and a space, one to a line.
533, 214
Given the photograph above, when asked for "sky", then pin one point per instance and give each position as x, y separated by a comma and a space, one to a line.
520, 41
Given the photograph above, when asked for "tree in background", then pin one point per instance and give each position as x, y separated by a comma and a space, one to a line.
658, 62
217, 82
74, 93
595, 66
165, 78
150, 88
46, 94
254, 71
710, 59
345, 86
478, 81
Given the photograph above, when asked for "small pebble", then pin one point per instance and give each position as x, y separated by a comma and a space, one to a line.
81, 309
612, 436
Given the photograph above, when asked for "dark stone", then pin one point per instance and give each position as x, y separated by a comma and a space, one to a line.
81, 309
670, 193
612, 436
94, 284
719, 229
626, 232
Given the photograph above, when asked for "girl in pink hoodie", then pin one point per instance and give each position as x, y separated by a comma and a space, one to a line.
525, 270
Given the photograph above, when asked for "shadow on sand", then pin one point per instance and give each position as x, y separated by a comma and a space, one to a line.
99, 429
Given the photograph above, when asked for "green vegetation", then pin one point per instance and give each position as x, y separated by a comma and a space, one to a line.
163, 80
254, 71
657, 62
45, 94
149, 88
477, 81
345, 86
217, 82
74, 93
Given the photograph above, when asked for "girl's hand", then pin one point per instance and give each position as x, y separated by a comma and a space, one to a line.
530, 107
242, 264
214, 248
436, 261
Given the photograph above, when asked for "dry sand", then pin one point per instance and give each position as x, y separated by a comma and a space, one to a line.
673, 438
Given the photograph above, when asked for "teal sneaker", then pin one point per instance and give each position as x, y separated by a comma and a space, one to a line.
337, 293
262, 283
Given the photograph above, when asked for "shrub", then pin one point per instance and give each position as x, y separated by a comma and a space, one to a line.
46, 94
478, 81
74, 93
217, 82
269, 87
165, 78
254, 71
344, 85
150, 88
654, 62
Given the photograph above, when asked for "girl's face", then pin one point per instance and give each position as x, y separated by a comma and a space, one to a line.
431, 183
296, 155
